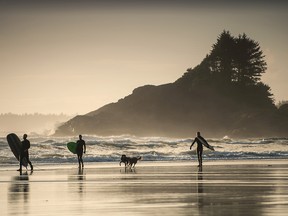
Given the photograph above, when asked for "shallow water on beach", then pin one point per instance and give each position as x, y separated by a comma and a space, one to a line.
156, 188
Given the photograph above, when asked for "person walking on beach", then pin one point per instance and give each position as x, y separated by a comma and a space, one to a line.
79, 150
199, 139
25, 152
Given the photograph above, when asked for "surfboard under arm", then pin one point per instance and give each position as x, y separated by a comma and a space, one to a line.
205, 143
16, 146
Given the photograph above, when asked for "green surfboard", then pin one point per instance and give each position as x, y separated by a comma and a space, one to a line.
72, 146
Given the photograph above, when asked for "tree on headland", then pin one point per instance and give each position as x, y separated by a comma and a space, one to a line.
239, 60
283, 108
222, 57
249, 61
235, 65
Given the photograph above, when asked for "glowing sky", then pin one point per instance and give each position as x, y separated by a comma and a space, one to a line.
76, 56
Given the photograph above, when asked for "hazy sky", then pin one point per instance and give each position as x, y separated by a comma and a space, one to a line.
76, 56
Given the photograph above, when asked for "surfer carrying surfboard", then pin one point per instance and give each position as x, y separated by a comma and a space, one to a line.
25, 152
200, 142
79, 150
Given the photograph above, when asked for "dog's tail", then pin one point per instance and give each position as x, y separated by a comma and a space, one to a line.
139, 158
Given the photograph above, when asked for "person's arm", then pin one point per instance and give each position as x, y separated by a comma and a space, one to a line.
84, 147
192, 143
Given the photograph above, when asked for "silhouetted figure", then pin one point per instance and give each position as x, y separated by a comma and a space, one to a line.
199, 147
80, 147
25, 152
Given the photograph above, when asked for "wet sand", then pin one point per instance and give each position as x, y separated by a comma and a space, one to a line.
152, 188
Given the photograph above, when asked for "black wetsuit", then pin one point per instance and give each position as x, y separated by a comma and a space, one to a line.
199, 148
25, 153
79, 150
199, 144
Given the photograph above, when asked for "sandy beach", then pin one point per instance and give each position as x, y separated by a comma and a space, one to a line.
255, 187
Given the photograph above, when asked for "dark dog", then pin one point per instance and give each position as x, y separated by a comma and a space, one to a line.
124, 160
133, 160
129, 161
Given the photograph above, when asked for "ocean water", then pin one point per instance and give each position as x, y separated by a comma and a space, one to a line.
53, 150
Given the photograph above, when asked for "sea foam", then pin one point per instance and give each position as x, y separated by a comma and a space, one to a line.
46, 150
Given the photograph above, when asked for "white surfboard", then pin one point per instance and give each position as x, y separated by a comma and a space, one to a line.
205, 143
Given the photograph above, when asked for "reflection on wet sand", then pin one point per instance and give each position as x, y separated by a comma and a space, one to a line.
19, 192
200, 187
128, 169
224, 189
20, 187
79, 178
244, 191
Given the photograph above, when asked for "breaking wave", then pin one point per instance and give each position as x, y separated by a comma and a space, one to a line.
46, 150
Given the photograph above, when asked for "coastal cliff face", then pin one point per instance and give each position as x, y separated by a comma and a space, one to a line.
221, 96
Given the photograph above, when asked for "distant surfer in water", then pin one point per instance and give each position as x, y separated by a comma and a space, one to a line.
25, 152
79, 150
199, 139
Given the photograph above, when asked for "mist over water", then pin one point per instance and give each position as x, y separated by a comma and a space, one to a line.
51, 150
